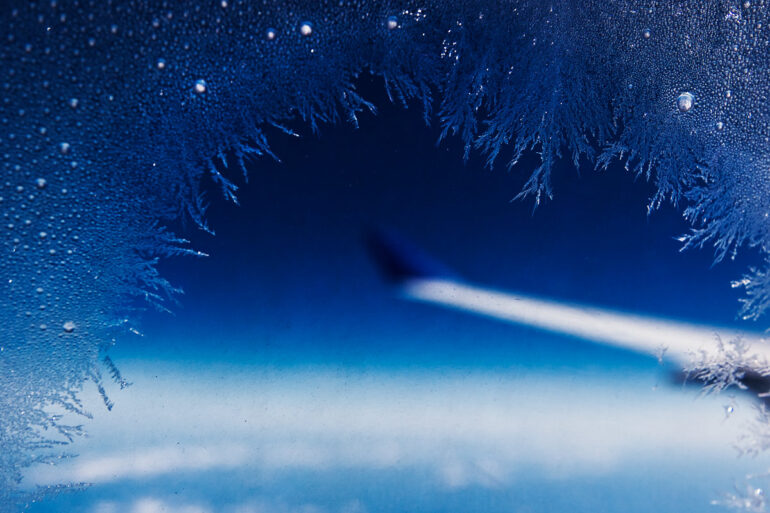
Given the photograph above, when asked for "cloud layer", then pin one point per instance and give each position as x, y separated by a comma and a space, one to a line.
467, 429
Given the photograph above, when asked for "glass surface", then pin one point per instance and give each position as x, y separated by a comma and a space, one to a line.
296, 373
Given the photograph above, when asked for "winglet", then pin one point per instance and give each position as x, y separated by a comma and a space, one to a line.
400, 261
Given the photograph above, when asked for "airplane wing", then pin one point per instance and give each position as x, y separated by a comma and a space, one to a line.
421, 278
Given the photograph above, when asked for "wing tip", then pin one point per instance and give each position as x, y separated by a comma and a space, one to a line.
399, 260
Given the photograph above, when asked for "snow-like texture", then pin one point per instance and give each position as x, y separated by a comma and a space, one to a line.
114, 111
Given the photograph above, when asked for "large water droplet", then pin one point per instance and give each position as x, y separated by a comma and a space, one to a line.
685, 102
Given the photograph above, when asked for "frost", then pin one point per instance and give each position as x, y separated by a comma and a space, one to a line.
728, 367
115, 113
748, 499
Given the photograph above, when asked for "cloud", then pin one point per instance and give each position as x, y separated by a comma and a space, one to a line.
152, 504
468, 430
156, 461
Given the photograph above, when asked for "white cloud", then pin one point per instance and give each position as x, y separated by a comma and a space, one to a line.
106, 507
469, 429
257, 505
155, 461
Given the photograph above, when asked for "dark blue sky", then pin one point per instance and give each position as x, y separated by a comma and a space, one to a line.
289, 280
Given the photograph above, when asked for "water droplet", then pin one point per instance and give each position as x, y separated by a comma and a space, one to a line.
200, 86
69, 326
720, 125
73, 102
161, 64
64, 148
646, 33
271, 34
685, 102
392, 23
41, 183
306, 28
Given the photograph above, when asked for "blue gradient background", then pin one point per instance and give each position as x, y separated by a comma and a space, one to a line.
289, 285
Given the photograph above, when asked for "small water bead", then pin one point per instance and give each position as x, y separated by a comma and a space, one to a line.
200, 86
40, 183
161, 64
306, 28
720, 125
73, 103
69, 327
271, 34
392, 23
646, 33
685, 102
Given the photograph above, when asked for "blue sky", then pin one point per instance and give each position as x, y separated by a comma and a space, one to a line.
292, 378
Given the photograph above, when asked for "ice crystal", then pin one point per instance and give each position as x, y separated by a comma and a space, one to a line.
727, 367
749, 499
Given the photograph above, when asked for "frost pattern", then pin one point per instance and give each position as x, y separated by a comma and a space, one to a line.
747, 499
114, 113
730, 366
